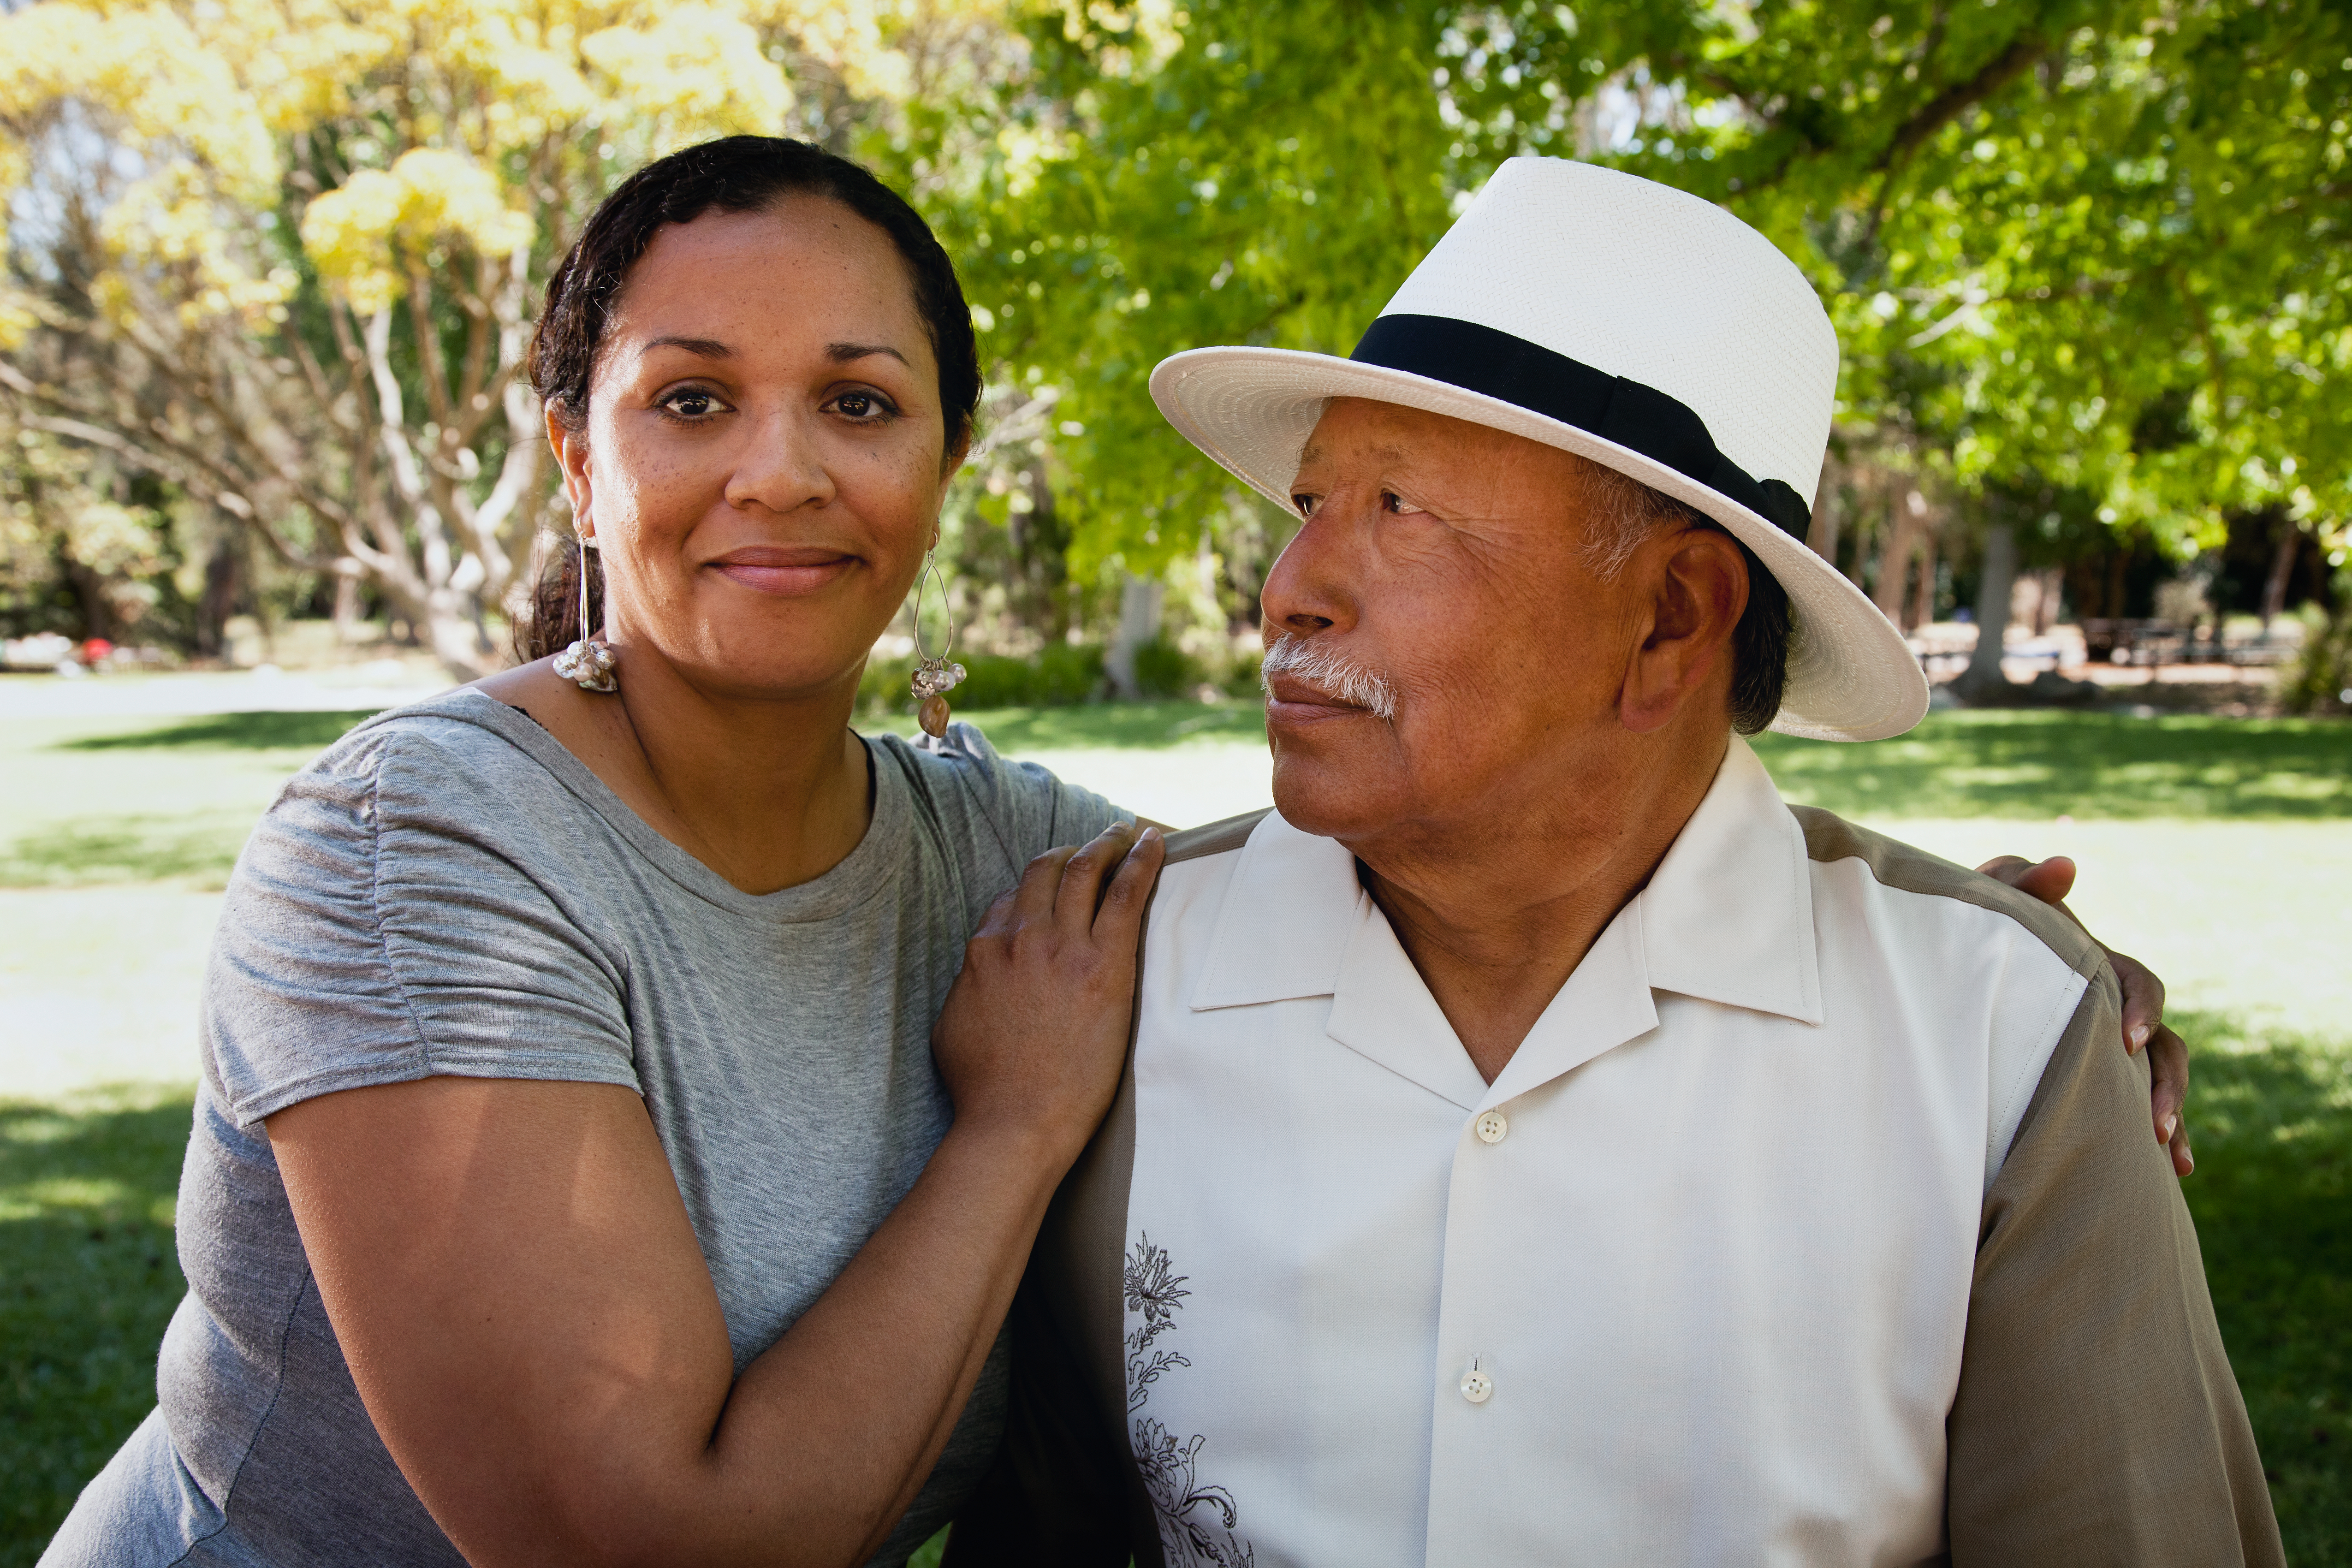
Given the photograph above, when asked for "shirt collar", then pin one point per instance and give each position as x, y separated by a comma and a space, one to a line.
1727, 918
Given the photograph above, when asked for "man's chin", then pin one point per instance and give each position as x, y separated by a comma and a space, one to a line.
1332, 790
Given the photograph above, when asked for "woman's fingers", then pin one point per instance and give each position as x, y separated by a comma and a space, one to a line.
2168, 1063
1083, 875
2143, 1002
1120, 918
2049, 881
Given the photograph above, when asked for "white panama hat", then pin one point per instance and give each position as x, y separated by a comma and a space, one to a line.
1630, 323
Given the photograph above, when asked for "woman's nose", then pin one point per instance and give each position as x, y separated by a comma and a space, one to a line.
780, 468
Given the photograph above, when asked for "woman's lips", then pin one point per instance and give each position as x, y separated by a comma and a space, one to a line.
783, 571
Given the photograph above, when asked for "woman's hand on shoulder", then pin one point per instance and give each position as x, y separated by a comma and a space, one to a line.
1033, 1034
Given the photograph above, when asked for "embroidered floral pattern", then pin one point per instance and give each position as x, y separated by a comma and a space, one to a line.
1196, 1521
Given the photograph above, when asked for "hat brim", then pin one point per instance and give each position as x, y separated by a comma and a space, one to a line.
1851, 674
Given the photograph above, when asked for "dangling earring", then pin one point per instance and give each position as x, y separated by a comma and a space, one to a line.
935, 677
588, 661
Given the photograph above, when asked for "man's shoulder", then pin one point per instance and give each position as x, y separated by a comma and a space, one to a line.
1224, 838
1905, 869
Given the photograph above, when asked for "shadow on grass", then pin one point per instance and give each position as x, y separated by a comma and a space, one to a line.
198, 846
88, 1277
2272, 1197
2046, 765
229, 731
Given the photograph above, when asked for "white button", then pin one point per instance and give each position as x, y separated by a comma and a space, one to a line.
1476, 1387
1491, 1127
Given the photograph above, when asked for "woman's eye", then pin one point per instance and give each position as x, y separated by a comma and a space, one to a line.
863, 407
690, 404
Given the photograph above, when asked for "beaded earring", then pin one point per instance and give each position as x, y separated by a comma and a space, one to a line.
936, 674
588, 661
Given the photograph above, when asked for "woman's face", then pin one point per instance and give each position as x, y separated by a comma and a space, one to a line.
765, 452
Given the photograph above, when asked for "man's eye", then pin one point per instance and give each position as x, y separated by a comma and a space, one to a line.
1306, 505
1392, 502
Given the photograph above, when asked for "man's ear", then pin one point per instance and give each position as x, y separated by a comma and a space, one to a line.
1698, 589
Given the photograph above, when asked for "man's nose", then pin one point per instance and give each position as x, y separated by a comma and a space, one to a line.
1311, 586
780, 466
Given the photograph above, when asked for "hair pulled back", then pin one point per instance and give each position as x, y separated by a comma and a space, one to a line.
732, 174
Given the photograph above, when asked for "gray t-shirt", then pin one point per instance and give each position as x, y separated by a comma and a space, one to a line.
447, 890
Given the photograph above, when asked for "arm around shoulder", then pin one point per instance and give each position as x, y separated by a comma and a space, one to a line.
2097, 1420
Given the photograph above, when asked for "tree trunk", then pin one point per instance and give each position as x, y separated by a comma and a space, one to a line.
2281, 568
1924, 612
224, 580
1983, 676
1895, 564
1139, 623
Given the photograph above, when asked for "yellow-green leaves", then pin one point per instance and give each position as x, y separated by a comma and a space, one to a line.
363, 235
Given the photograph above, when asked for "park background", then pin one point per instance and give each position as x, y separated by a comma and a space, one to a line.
265, 468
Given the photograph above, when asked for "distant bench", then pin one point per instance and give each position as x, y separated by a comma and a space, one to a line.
2148, 643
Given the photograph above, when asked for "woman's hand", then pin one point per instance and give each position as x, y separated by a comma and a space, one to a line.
1032, 1037
2168, 1054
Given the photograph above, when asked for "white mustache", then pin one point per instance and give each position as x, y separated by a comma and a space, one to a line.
1304, 659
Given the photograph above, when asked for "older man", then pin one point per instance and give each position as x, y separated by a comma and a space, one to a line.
1542, 1143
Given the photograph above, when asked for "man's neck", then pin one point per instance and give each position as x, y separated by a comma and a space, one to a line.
1497, 911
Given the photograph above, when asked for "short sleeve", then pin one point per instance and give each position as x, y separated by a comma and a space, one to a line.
1031, 809
377, 930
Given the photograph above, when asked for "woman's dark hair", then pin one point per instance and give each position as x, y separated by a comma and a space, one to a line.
734, 173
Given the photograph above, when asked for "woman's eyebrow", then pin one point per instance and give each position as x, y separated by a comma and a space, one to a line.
842, 354
707, 348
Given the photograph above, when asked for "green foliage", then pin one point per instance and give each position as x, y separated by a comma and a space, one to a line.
1113, 726
88, 1277
1057, 675
2093, 247
1163, 669
1990, 762
2320, 679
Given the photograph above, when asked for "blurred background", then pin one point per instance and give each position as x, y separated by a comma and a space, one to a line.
264, 468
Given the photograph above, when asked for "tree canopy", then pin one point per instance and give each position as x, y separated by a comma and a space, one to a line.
282, 253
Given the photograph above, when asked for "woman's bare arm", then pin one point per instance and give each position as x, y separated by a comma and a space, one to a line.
516, 1286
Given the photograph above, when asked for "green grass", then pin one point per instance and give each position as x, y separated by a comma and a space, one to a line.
2045, 764
2273, 1198
88, 1277
92, 801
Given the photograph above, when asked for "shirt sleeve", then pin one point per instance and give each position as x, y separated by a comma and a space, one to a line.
1031, 809
2097, 1420
377, 932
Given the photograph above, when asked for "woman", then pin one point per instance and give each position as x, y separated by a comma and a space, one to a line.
571, 1181
568, 1116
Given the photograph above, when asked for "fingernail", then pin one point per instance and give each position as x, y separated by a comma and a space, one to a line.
2188, 1160
2169, 1123
2139, 1035
1149, 833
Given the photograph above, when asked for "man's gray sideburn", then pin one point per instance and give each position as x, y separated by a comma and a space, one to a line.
1623, 511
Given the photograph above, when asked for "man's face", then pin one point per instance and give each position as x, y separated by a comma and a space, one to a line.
1447, 561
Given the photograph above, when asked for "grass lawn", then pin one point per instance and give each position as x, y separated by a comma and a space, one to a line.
2220, 849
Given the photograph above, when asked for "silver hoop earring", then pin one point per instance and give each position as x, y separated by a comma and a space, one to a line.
936, 674
588, 661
